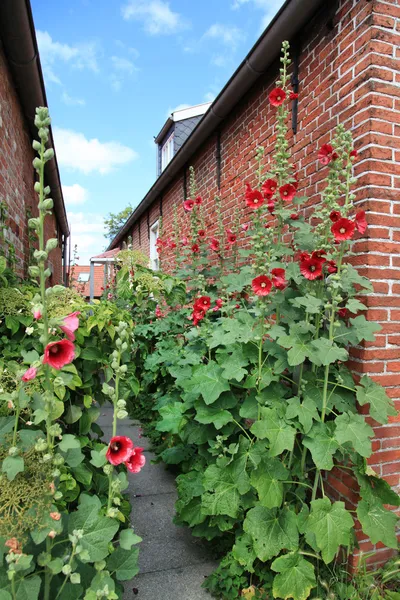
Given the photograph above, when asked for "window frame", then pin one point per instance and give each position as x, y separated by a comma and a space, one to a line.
79, 280
167, 151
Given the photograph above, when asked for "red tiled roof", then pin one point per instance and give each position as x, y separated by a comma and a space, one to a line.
107, 254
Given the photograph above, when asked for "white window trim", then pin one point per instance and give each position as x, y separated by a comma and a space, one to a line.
84, 280
154, 259
167, 151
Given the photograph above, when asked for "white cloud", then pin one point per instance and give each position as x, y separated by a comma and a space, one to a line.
228, 35
74, 194
123, 64
156, 16
79, 56
87, 232
76, 152
71, 100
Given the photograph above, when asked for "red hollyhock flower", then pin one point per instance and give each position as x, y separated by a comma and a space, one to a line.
59, 354
343, 229
335, 216
360, 221
326, 154
188, 204
198, 315
195, 249
287, 192
136, 461
119, 449
353, 154
269, 187
198, 201
318, 255
331, 267
160, 245
279, 279
310, 267
231, 238
214, 244
202, 303
201, 233
158, 312
294, 216
254, 198
271, 205
70, 325
171, 244
293, 95
261, 285
219, 302
277, 96
343, 313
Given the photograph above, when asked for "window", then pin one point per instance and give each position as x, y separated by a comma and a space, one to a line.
154, 261
167, 151
83, 277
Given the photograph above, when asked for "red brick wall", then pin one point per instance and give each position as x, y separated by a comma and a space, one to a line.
17, 176
348, 74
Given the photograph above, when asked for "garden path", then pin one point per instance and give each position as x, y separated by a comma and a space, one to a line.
172, 563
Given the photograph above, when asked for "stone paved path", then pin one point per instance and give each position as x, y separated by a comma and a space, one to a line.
173, 564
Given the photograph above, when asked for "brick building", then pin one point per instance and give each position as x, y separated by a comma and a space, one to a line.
346, 58
21, 91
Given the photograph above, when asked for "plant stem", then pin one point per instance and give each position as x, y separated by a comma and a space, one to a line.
17, 413
114, 428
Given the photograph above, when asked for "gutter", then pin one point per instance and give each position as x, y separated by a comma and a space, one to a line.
292, 16
18, 38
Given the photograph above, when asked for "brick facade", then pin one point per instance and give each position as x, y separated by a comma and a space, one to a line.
17, 177
349, 73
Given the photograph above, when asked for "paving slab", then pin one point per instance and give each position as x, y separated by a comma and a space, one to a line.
153, 479
174, 584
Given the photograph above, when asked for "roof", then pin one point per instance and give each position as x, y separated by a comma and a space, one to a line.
286, 24
180, 115
107, 254
18, 38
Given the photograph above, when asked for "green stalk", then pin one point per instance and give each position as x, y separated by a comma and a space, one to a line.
114, 428
17, 413
67, 576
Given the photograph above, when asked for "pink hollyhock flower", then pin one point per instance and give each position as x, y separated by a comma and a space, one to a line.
184, 241
119, 449
158, 312
287, 192
279, 279
59, 354
326, 154
56, 516
261, 285
277, 96
14, 545
245, 227
343, 229
214, 244
29, 374
70, 324
136, 461
188, 204
109, 297
37, 314
219, 302
52, 534
360, 221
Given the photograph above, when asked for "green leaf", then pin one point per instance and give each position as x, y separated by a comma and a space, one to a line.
91, 353
279, 433
6, 426
243, 552
233, 365
380, 405
331, 524
98, 531
12, 465
364, 330
305, 411
28, 589
378, 523
69, 442
221, 496
128, 538
299, 347
310, 303
172, 418
267, 480
246, 457
352, 428
322, 444
353, 305
211, 414
73, 414
83, 474
296, 577
124, 563
209, 382
325, 352
12, 323
70, 448
272, 530
98, 457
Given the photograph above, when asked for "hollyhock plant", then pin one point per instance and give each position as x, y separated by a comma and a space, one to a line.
198, 315
360, 221
353, 154
119, 449
277, 96
37, 313
287, 192
201, 233
202, 303
195, 248
270, 206
293, 95
261, 285
70, 324
136, 461
215, 244
335, 216
254, 198
184, 241
231, 237
188, 205
58, 354
326, 154
343, 229
331, 267
269, 187
29, 374
245, 227
279, 278
311, 266
198, 201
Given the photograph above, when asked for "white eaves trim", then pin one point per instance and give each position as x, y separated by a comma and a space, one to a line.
191, 111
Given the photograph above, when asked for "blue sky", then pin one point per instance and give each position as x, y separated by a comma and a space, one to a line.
114, 70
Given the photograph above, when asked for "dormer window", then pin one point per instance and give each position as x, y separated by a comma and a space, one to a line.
167, 151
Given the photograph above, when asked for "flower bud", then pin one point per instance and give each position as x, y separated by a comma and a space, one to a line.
49, 154
37, 163
121, 414
48, 204
51, 244
66, 569
33, 223
13, 451
100, 565
40, 255
34, 271
36, 145
75, 578
36, 187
